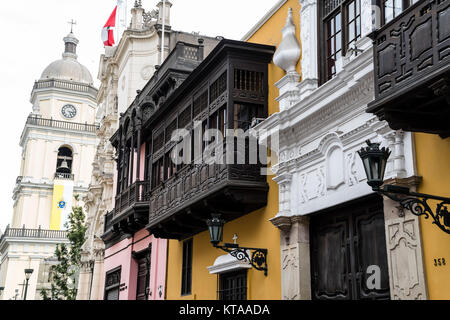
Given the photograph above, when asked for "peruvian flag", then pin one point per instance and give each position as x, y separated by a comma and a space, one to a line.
107, 31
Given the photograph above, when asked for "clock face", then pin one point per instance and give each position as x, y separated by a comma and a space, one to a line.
69, 111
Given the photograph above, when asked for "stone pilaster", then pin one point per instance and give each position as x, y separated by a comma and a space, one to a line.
404, 248
295, 257
308, 37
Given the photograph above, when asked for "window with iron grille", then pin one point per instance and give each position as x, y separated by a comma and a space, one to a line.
218, 87
247, 80
112, 284
186, 271
233, 286
341, 28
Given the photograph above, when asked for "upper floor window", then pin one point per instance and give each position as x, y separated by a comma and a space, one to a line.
392, 8
341, 28
186, 271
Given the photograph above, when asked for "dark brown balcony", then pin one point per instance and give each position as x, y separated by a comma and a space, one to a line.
412, 69
179, 208
130, 213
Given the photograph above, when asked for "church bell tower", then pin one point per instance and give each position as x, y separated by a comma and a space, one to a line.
58, 147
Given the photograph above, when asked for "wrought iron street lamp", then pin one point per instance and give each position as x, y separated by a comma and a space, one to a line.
374, 160
257, 257
28, 273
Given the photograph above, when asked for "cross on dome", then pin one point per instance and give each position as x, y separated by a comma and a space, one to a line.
72, 23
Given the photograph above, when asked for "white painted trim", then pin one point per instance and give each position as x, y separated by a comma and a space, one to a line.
227, 263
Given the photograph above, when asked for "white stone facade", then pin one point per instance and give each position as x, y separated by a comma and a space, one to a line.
320, 130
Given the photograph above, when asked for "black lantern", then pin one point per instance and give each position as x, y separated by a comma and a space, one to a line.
374, 161
215, 226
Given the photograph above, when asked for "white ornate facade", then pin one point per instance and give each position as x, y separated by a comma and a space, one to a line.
320, 130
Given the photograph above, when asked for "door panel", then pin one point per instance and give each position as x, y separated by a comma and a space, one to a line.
348, 252
331, 264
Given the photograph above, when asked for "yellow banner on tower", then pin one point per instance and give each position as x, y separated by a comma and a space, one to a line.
61, 203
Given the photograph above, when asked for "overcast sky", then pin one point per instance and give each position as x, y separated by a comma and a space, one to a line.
31, 33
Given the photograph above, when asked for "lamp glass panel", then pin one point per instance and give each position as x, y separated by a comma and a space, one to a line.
366, 164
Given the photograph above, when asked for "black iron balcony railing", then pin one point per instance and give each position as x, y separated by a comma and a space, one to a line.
66, 85
412, 69
33, 233
66, 125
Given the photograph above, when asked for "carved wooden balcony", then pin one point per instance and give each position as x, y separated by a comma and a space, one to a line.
179, 208
130, 213
412, 69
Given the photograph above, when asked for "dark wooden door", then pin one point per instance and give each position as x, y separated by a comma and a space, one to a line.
348, 252
143, 278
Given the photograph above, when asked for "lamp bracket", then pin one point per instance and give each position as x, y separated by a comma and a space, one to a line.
257, 257
417, 203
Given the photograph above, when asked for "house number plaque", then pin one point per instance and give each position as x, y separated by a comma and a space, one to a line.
439, 262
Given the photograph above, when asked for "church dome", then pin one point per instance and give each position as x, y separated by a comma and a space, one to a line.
68, 68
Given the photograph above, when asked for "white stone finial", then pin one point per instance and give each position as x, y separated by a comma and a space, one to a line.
289, 51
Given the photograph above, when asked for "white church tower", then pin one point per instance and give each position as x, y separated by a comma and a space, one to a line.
58, 147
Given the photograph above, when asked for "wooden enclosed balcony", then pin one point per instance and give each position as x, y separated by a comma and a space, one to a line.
412, 69
180, 207
130, 213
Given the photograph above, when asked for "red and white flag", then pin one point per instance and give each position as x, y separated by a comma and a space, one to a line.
107, 31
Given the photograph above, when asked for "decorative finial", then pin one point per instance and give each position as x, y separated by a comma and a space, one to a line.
289, 51
138, 3
72, 23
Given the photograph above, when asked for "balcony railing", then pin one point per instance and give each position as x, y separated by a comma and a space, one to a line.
64, 176
412, 68
33, 233
65, 125
137, 193
61, 84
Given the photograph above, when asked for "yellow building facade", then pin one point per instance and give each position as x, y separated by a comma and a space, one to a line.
254, 229
433, 165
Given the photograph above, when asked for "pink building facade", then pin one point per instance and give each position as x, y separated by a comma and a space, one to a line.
128, 258
135, 263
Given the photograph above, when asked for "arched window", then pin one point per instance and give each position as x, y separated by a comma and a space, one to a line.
64, 160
